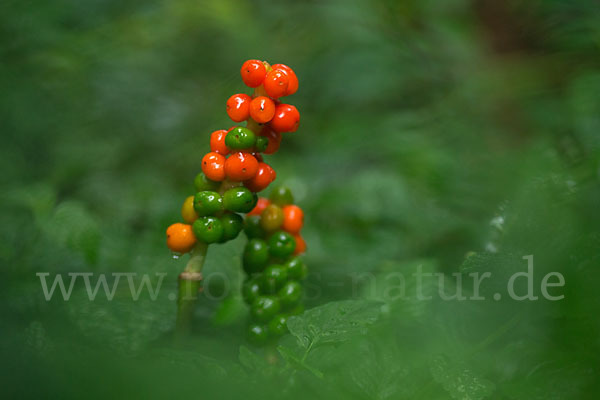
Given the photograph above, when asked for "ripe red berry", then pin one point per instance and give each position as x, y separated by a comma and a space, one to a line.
293, 79
253, 73
261, 180
276, 83
286, 118
300, 245
238, 107
261, 204
217, 142
213, 166
274, 139
262, 109
293, 219
241, 166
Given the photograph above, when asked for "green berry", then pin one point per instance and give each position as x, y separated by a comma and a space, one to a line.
271, 218
252, 227
296, 268
278, 325
203, 183
281, 244
273, 278
282, 196
257, 334
239, 199
208, 229
264, 308
207, 202
250, 290
256, 256
240, 138
232, 226
290, 294
261, 143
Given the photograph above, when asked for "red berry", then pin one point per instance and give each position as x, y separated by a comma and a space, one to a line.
261, 180
253, 73
238, 107
276, 83
213, 166
286, 118
241, 166
262, 109
300, 244
261, 204
217, 142
274, 139
293, 79
293, 219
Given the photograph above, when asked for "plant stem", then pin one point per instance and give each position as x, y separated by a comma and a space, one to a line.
190, 283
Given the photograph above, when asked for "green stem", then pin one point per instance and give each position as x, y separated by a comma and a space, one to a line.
190, 283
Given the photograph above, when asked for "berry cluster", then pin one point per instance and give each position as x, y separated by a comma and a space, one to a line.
273, 288
234, 170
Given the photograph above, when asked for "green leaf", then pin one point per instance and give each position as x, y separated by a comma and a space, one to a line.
298, 362
333, 322
461, 382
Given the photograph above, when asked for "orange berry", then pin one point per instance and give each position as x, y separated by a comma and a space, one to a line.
240, 166
285, 119
253, 73
262, 109
274, 139
293, 79
213, 166
293, 219
217, 142
261, 180
300, 245
276, 83
187, 210
180, 238
261, 204
238, 107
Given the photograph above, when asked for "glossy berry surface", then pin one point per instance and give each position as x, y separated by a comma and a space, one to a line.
262, 143
239, 199
281, 244
250, 291
217, 142
293, 78
257, 334
276, 83
293, 219
290, 294
188, 213
207, 203
240, 138
261, 204
201, 182
262, 178
180, 238
296, 268
256, 256
265, 308
282, 196
271, 218
208, 229
262, 109
252, 227
241, 166
238, 107
300, 244
278, 325
273, 137
232, 226
286, 118
253, 73
213, 166
273, 278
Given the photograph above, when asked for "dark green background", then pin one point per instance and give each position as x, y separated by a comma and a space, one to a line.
423, 125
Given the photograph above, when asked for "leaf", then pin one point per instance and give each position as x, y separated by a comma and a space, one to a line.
251, 360
333, 322
292, 358
461, 382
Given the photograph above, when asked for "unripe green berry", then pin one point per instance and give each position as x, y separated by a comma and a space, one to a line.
282, 196
240, 138
239, 199
273, 278
207, 202
232, 226
208, 229
256, 256
264, 308
281, 244
201, 182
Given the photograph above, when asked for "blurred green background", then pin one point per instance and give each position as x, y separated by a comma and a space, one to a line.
455, 135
